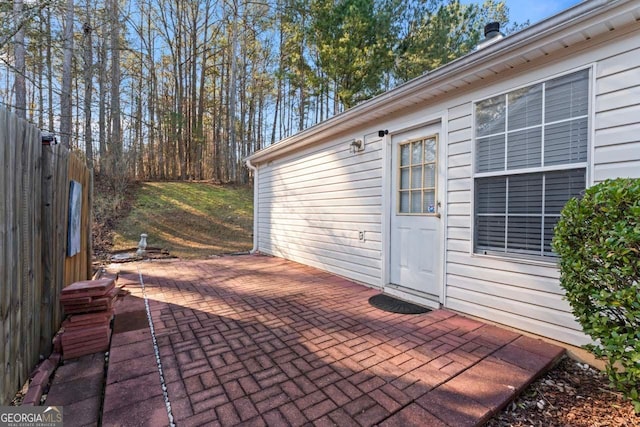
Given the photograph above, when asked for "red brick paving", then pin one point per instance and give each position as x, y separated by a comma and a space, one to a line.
255, 340
77, 386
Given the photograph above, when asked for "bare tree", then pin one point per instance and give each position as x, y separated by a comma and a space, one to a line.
231, 124
48, 41
19, 53
115, 144
66, 114
102, 104
88, 86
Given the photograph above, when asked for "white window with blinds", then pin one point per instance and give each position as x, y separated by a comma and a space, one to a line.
530, 159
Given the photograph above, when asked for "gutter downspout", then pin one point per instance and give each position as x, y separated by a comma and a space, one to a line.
255, 205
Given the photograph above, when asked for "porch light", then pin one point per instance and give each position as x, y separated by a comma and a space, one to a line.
356, 145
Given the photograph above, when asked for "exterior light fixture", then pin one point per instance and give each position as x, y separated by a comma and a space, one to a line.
356, 145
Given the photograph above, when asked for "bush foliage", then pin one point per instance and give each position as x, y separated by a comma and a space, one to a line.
598, 241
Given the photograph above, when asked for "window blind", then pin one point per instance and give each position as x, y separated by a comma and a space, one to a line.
537, 128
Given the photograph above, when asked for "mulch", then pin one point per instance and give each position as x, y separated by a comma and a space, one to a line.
571, 394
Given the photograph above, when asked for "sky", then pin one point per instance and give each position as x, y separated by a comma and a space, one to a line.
533, 10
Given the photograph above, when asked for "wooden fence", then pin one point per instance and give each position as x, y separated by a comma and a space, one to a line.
34, 215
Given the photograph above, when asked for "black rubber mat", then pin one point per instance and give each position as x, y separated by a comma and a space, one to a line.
394, 305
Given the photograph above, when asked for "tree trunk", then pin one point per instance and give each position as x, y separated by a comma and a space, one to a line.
20, 83
233, 144
116, 131
41, 75
88, 88
182, 160
66, 117
49, 72
201, 96
102, 105
152, 167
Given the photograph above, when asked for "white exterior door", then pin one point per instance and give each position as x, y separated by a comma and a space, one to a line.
415, 257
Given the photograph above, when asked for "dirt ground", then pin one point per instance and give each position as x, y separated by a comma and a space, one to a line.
109, 207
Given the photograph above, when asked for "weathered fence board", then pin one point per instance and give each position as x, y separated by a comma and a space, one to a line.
34, 182
80, 264
5, 302
12, 247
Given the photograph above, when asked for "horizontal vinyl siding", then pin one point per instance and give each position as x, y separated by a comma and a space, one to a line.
518, 294
313, 204
617, 115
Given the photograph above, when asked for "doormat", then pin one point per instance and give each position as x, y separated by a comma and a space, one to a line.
394, 305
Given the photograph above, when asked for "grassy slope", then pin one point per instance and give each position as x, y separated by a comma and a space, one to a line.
191, 220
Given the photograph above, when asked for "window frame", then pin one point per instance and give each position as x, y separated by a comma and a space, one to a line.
398, 191
587, 165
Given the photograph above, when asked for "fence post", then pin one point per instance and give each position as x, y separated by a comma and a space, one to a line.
5, 291
48, 247
55, 199
11, 257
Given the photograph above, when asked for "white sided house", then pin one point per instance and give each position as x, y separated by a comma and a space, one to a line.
445, 190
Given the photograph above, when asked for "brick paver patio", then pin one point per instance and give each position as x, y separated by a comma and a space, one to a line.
256, 340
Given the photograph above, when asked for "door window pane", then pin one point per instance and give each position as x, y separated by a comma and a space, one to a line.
404, 155
429, 176
404, 202
430, 150
416, 153
417, 177
416, 201
429, 198
404, 178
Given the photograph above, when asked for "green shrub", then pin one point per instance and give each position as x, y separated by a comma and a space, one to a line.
598, 241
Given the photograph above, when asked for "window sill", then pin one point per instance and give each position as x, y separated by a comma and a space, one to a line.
552, 262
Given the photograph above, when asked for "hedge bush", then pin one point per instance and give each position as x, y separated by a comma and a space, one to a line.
598, 241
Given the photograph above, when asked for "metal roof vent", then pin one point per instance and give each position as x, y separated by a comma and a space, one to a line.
491, 35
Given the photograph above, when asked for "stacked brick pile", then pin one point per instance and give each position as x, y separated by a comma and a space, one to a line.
88, 328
